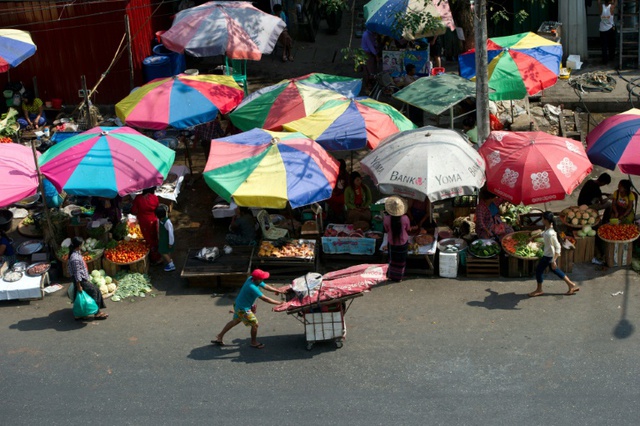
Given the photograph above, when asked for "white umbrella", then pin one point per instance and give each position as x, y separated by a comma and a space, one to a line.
426, 162
235, 29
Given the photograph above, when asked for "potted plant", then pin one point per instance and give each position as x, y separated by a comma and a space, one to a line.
333, 12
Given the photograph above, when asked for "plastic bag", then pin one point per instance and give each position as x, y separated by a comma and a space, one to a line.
84, 305
306, 284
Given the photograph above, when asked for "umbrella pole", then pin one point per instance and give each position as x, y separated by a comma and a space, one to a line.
451, 116
187, 153
293, 228
47, 233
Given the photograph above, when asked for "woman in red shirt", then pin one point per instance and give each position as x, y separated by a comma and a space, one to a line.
397, 227
144, 207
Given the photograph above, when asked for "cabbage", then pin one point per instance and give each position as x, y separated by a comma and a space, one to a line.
104, 289
101, 281
95, 273
586, 229
111, 287
591, 233
581, 234
102, 273
108, 280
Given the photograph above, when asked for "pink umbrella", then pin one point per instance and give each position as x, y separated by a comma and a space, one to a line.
17, 173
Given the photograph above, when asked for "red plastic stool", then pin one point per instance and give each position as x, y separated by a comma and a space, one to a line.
437, 70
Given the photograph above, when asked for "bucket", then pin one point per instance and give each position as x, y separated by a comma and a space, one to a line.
8, 94
156, 67
178, 63
56, 103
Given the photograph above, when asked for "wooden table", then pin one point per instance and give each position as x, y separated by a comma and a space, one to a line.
228, 269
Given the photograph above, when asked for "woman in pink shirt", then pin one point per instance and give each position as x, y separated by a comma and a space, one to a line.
397, 225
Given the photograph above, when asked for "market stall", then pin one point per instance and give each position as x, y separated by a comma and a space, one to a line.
346, 239
170, 189
287, 257
224, 269
422, 251
23, 281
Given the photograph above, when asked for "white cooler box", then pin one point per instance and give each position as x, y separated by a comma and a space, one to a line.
448, 265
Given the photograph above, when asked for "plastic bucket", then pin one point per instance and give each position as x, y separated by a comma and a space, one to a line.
178, 63
56, 103
156, 67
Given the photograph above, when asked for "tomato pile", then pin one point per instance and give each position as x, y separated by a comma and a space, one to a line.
5, 139
127, 252
618, 232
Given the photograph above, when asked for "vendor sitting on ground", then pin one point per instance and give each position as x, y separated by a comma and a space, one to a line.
488, 221
591, 193
242, 231
407, 78
420, 215
357, 200
623, 203
32, 108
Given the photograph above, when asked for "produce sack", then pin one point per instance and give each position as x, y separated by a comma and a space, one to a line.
84, 305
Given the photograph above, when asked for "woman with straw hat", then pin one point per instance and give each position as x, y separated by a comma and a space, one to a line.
397, 225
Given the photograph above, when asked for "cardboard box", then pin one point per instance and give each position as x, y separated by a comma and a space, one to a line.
618, 254
585, 249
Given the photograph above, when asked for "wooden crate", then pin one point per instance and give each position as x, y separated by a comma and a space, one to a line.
618, 254
94, 264
483, 268
111, 269
585, 249
519, 268
566, 259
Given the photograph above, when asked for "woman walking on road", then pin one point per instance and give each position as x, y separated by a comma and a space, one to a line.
397, 227
551, 253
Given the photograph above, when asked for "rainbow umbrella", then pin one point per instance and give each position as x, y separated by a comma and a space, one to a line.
519, 65
616, 141
180, 101
267, 169
289, 100
349, 124
17, 173
15, 47
106, 161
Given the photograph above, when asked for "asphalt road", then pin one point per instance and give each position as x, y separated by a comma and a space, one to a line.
425, 351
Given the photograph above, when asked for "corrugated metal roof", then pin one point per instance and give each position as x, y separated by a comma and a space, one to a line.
78, 38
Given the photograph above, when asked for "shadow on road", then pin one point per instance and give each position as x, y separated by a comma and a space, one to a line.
277, 348
494, 300
624, 329
60, 320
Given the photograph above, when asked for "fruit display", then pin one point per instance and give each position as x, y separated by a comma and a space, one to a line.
135, 233
294, 248
484, 248
523, 244
618, 232
127, 252
6, 139
577, 217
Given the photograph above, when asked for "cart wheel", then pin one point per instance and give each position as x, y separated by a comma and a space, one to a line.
309, 346
339, 343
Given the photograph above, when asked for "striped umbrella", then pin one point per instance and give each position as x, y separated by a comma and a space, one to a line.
616, 141
180, 101
519, 65
105, 162
15, 47
17, 173
350, 124
267, 169
272, 106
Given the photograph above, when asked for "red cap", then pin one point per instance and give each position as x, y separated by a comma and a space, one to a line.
259, 274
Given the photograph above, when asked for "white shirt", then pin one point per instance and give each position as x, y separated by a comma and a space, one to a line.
551, 243
169, 227
606, 18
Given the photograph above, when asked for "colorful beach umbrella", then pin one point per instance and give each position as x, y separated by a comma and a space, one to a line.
289, 100
426, 162
17, 173
349, 124
267, 169
180, 101
15, 47
616, 141
106, 161
235, 29
533, 167
519, 65
381, 17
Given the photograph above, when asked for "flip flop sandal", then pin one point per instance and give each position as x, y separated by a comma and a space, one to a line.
258, 346
217, 342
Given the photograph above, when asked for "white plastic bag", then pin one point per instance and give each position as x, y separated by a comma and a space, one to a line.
306, 284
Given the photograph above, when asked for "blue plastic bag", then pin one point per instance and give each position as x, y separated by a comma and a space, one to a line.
84, 305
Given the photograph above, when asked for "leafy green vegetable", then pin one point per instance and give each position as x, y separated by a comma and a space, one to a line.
131, 284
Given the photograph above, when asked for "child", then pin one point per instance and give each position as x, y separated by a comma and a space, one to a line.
165, 238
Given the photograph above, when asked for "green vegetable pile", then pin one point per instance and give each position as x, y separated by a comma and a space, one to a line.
484, 248
532, 249
131, 284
